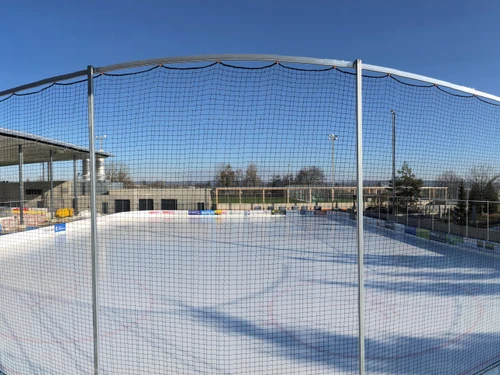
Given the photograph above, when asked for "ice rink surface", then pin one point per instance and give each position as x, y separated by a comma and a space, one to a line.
263, 295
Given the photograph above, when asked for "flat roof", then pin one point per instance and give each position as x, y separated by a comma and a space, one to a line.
37, 149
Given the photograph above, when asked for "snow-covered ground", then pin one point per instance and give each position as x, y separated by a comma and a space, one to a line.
246, 295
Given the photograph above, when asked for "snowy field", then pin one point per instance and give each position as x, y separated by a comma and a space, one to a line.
263, 295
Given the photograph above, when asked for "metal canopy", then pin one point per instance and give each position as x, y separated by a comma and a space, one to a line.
36, 149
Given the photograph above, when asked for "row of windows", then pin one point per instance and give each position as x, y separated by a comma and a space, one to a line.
34, 191
123, 205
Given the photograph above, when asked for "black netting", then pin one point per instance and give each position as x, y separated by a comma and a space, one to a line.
45, 277
226, 224
431, 275
236, 290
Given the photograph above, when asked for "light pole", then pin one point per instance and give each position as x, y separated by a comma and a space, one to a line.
333, 138
393, 160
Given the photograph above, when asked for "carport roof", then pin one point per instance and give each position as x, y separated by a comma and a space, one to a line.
36, 149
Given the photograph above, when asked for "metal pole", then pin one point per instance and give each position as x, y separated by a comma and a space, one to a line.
379, 204
93, 220
51, 182
487, 220
75, 199
393, 157
359, 152
21, 186
449, 220
333, 138
407, 214
467, 215
333, 169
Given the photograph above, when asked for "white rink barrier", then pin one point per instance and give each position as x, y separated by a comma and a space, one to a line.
188, 214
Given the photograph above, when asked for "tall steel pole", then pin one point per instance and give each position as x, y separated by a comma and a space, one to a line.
21, 186
93, 222
393, 160
359, 193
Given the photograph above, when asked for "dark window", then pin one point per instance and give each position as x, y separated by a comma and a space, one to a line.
105, 207
169, 204
200, 206
122, 205
145, 204
34, 191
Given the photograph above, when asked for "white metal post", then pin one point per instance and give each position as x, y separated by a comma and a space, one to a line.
21, 186
359, 152
51, 181
93, 221
393, 159
333, 138
487, 220
75, 199
449, 220
467, 215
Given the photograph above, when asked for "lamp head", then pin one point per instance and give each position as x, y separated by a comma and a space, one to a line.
333, 137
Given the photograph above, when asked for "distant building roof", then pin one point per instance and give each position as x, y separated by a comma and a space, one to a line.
36, 149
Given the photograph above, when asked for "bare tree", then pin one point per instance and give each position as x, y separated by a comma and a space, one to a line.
118, 172
482, 187
479, 176
310, 176
450, 180
252, 178
226, 176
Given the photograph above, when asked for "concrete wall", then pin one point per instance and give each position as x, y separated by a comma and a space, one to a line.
187, 199
62, 195
9, 191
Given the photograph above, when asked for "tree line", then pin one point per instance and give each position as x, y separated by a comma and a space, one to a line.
475, 194
476, 189
227, 176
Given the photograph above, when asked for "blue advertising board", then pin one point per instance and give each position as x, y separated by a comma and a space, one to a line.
411, 230
438, 236
389, 225
60, 227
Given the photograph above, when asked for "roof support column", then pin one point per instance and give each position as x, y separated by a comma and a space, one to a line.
21, 186
51, 180
75, 199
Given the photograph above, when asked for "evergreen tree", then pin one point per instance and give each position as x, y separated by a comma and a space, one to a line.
407, 186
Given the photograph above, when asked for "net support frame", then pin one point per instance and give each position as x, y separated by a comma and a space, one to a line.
359, 218
359, 68
51, 181
21, 185
93, 221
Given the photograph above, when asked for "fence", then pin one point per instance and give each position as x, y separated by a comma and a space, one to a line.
139, 286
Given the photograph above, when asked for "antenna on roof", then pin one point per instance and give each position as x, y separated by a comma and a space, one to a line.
100, 138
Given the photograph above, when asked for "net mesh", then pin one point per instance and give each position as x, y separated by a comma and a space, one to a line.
429, 285
231, 294
46, 319
226, 226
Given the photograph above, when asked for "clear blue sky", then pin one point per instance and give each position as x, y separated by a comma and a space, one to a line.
455, 41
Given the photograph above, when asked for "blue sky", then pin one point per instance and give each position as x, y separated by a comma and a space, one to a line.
450, 40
